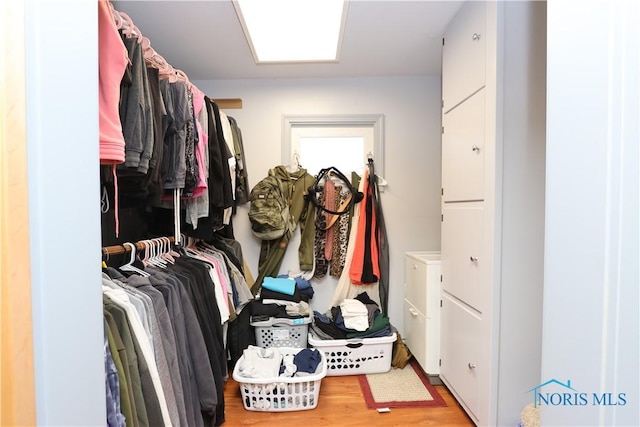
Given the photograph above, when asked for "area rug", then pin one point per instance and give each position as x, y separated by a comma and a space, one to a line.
400, 388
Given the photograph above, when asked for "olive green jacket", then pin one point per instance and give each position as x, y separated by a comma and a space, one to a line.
303, 212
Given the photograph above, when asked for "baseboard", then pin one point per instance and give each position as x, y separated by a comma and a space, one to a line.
434, 379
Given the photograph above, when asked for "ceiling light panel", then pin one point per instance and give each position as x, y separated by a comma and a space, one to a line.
293, 30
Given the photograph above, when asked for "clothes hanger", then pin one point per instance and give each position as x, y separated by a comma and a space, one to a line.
147, 254
379, 180
325, 173
128, 28
181, 75
116, 16
166, 253
188, 247
147, 50
145, 258
150, 253
155, 257
168, 72
171, 248
129, 265
160, 251
157, 61
295, 163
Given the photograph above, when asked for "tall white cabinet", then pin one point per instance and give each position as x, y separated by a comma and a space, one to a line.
493, 118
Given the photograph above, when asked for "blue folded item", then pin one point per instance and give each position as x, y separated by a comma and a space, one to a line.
279, 284
307, 360
300, 282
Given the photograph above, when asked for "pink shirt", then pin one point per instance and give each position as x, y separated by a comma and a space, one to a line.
203, 140
113, 58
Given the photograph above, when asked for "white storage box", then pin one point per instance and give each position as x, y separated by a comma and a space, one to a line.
356, 356
282, 393
282, 332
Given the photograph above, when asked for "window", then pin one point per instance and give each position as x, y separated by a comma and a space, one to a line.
344, 142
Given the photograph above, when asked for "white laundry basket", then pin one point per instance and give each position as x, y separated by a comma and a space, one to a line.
281, 394
282, 332
356, 356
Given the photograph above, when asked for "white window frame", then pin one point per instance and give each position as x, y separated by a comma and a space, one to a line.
374, 121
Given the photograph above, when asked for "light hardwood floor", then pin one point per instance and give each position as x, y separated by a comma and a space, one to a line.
341, 403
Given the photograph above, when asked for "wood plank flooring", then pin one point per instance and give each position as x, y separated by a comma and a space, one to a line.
341, 403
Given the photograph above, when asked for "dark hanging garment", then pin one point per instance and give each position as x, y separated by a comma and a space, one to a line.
159, 114
136, 113
191, 343
191, 137
230, 247
383, 242
216, 173
240, 335
195, 276
219, 185
242, 179
227, 189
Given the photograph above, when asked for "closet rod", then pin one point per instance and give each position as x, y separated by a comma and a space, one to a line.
120, 249
228, 103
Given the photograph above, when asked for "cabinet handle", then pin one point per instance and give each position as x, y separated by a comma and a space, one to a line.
475, 36
475, 148
473, 258
415, 267
472, 365
413, 312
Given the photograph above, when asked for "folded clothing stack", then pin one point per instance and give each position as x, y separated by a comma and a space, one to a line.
258, 362
283, 297
359, 317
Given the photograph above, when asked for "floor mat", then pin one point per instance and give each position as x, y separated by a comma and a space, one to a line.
400, 388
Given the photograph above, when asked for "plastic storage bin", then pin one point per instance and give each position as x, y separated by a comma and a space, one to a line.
282, 393
357, 355
282, 332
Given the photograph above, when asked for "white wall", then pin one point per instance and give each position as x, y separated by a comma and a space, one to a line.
591, 296
64, 216
411, 202
523, 192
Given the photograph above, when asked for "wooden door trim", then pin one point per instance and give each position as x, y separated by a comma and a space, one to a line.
17, 384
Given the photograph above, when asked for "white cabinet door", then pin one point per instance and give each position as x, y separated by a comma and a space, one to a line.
415, 273
463, 151
415, 329
463, 55
462, 259
460, 353
422, 308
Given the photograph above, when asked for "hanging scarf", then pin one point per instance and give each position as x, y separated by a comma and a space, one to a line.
364, 266
340, 239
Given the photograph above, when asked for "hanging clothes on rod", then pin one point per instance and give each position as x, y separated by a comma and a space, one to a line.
121, 249
381, 237
334, 196
173, 318
367, 263
183, 169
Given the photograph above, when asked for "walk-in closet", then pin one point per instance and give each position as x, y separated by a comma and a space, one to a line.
437, 227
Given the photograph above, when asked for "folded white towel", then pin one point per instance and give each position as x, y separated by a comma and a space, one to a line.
355, 314
258, 362
353, 307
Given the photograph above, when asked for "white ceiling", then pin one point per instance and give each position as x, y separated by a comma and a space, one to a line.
382, 38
